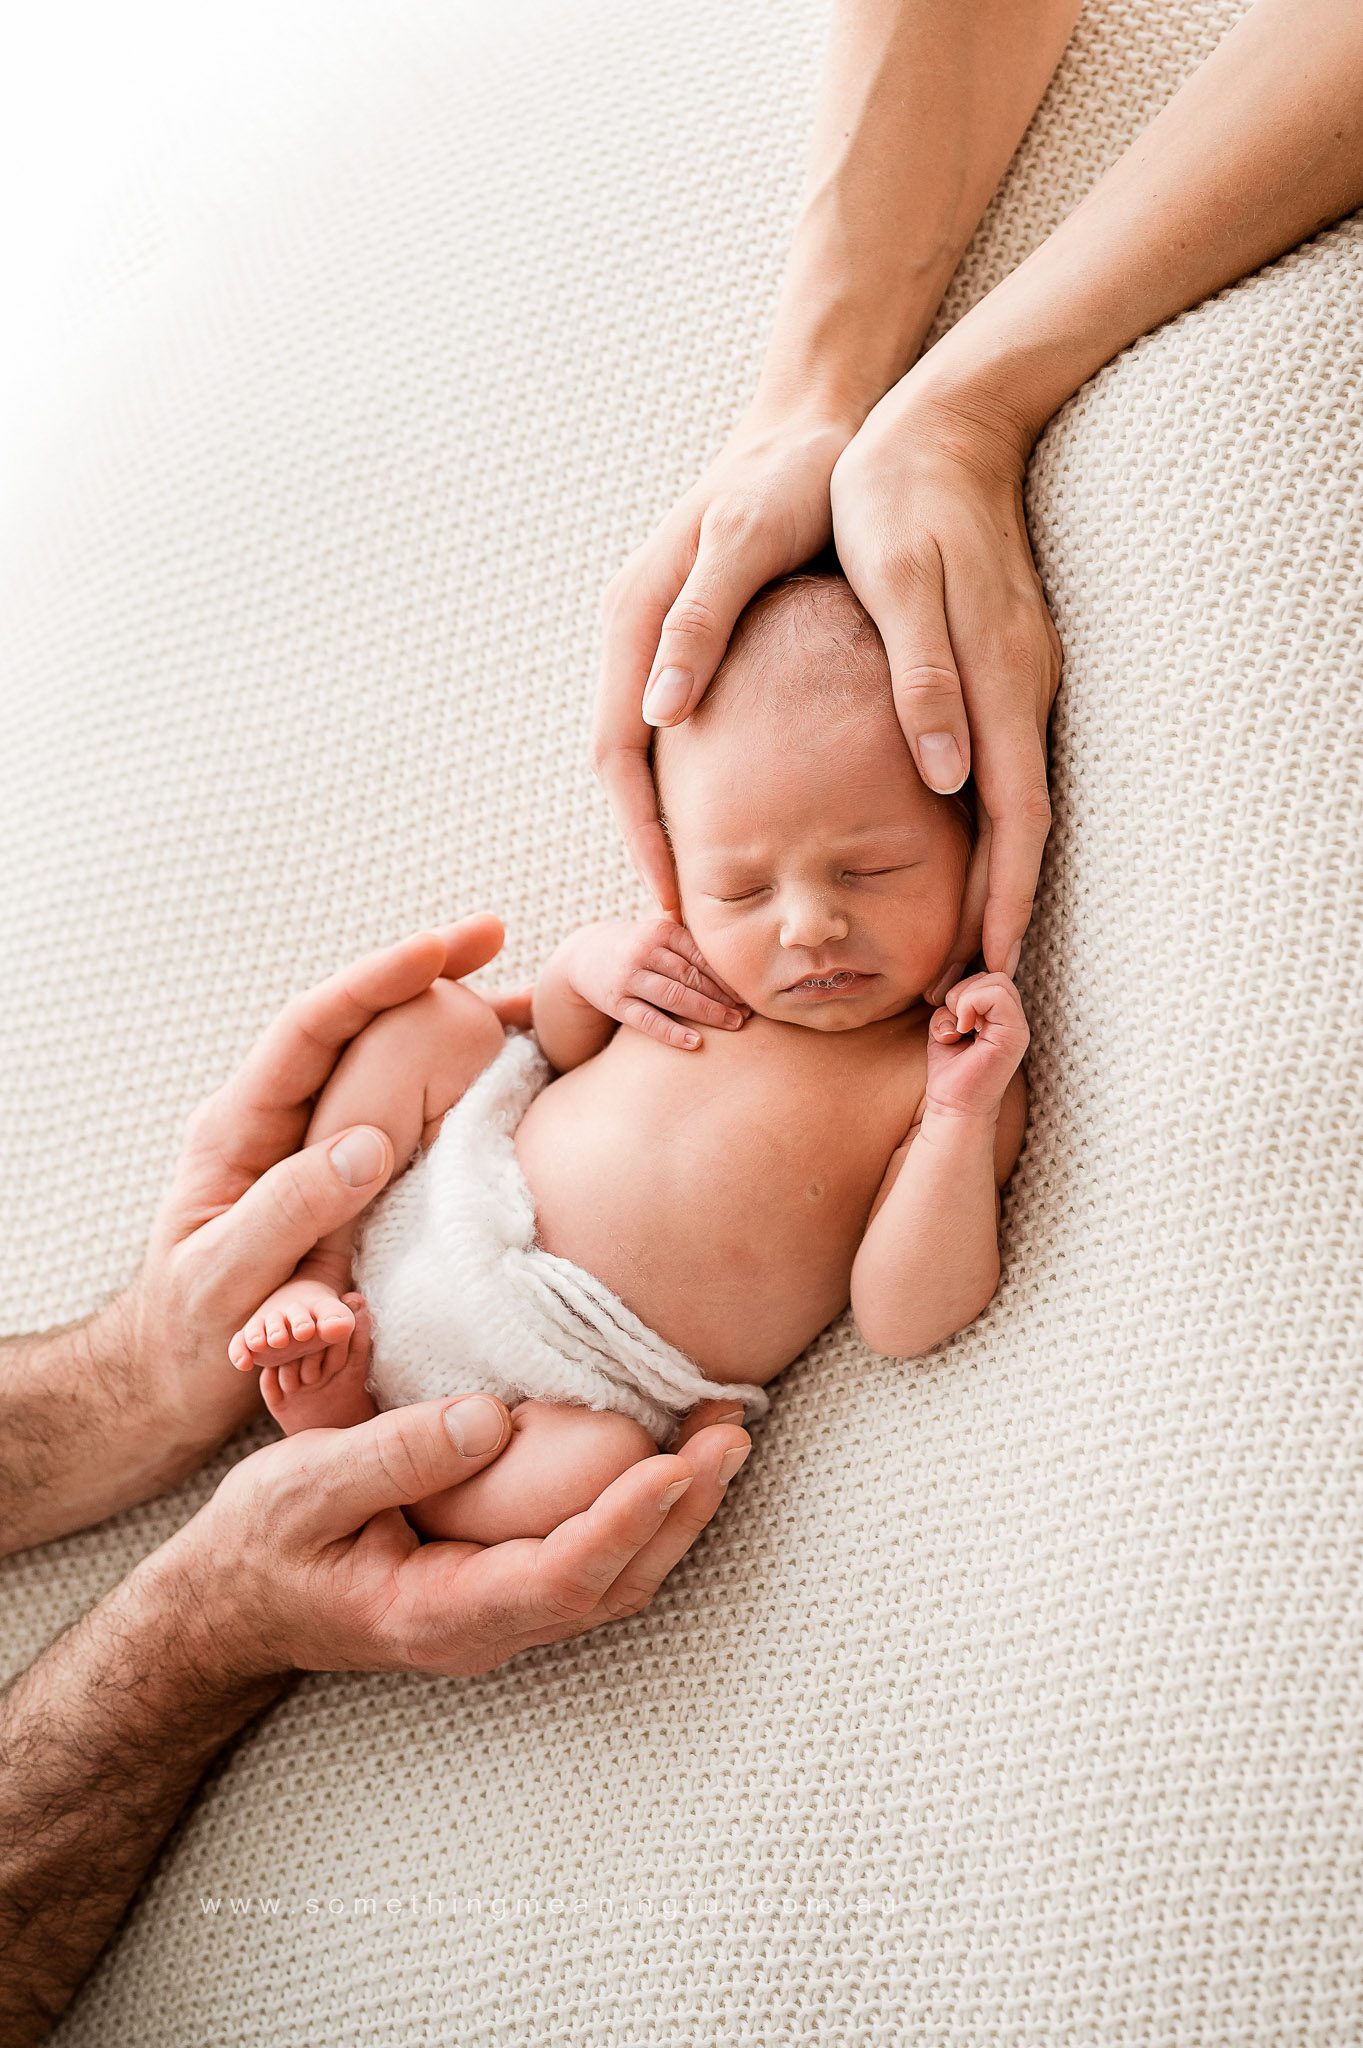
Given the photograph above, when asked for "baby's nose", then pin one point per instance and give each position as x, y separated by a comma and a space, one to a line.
812, 922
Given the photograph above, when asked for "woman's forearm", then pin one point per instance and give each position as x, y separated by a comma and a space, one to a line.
1260, 149
921, 106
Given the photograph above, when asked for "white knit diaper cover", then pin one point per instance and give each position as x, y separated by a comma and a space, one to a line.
463, 1300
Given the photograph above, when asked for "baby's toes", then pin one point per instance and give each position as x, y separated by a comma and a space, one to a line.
288, 1379
277, 1330
239, 1352
302, 1324
335, 1323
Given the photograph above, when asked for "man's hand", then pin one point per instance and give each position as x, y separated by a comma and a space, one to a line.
303, 1559
244, 1203
108, 1412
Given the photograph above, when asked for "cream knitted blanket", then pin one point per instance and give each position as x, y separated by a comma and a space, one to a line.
1013, 1697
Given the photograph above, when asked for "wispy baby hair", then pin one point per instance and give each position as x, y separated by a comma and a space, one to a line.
805, 647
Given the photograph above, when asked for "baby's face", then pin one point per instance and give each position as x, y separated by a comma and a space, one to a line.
818, 875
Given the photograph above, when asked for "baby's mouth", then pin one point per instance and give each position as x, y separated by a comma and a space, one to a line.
846, 977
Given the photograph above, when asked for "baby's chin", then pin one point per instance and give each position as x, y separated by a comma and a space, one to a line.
833, 1011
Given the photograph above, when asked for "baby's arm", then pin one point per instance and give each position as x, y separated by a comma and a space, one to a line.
929, 1261
646, 975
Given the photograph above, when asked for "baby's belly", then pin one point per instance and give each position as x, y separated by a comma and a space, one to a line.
723, 1216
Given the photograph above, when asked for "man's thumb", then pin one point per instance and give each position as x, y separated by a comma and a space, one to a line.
406, 1454
265, 1233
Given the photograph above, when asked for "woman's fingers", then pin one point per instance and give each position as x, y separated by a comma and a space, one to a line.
910, 610
632, 613
974, 896
735, 556
1010, 777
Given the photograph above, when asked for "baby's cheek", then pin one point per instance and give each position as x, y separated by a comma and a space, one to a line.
734, 948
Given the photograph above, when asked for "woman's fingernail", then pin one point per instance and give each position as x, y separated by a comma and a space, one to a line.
358, 1157
733, 1018
666, 695
731, 1461
1011, 969
943, 768
729, 1415
674, 1493
475, 1425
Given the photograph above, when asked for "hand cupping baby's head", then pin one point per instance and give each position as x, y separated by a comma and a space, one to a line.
819, 875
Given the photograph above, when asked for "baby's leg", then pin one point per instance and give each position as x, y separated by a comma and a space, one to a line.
559, 1458
402, 1073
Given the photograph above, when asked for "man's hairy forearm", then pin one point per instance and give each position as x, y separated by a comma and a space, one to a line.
101, 1743
80, 1437
921, 106
930, 1261
1261, 148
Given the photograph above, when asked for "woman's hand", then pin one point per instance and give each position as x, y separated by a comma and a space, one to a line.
930, 530
760, 510
648, 976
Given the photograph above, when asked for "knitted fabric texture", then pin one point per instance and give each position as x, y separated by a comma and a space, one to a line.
1012, 1697
463, 1298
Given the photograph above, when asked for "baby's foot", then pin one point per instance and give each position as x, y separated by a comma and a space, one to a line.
304, 1320
339, 1401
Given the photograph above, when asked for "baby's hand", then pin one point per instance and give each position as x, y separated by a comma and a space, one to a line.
969, 1075
648, 975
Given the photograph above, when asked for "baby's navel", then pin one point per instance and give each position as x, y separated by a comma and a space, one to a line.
814, 1192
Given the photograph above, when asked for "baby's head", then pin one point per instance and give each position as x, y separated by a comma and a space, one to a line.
808, 848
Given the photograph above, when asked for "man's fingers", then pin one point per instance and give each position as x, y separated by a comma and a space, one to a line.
400, 1457
470, 943
512, 1005
731, 566
252, 1247
258, 1110
911, 615
580, 1561
714, 1456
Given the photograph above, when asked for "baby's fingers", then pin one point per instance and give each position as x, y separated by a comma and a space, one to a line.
985, 998
668, 993
643, 1017
679, 940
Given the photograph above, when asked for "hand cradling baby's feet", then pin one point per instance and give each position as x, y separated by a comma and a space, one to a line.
303, 1324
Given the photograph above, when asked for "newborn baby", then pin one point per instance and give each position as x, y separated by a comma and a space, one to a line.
780, 1126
